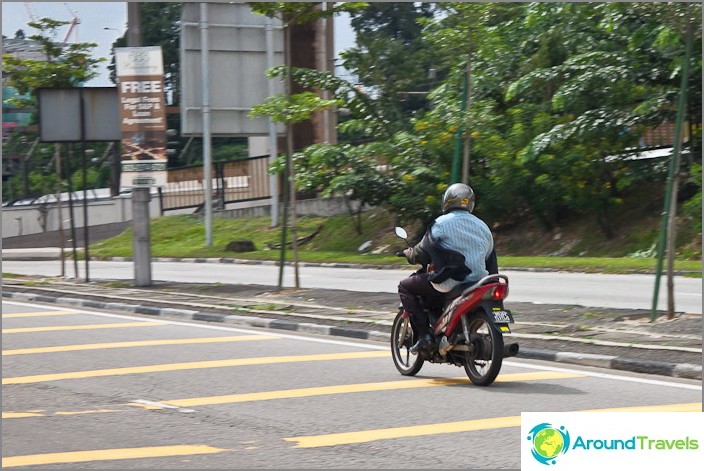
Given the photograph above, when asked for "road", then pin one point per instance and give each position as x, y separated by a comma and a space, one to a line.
105, 391
611, 291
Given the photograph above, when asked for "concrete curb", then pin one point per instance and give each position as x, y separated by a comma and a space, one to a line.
343, 265
677, 370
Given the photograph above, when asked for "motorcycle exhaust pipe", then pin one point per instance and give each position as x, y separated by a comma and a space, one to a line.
510, 350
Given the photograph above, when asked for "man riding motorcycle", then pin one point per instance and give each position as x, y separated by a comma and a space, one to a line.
460, 247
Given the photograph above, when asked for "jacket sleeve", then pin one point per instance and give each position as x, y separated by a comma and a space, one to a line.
492, 263
418, 255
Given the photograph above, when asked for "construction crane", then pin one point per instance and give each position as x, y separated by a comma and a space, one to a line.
73, 28
73, 24
31, 13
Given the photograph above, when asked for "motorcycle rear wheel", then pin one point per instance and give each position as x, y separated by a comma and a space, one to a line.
483, 362
402, 339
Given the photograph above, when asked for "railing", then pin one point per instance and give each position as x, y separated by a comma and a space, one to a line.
233, 181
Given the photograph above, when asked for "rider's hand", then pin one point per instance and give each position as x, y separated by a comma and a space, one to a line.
408, 253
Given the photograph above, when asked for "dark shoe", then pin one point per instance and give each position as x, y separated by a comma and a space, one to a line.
424, 343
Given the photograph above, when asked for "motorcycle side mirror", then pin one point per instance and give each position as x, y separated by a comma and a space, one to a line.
401, 232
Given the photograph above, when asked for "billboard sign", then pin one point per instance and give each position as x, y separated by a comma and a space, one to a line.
78, 114
140, 76
237, 65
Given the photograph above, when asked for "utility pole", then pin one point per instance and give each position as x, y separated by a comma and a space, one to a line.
273, 143
141, 243
207, 141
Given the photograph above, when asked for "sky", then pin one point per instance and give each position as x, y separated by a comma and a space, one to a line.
102, 23
94, 17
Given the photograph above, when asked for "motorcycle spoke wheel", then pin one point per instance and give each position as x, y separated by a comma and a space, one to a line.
483, 360
402, 339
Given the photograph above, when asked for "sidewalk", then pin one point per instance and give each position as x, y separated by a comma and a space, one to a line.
619, 339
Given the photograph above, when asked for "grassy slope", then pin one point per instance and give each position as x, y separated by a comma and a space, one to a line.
184, 237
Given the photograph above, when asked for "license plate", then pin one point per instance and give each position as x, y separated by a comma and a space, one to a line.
502, 317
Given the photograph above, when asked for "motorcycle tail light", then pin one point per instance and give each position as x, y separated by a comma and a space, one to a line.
497, 293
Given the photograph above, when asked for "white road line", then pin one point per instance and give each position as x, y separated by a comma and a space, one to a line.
379, 347
655, 382
160, 405
217, 327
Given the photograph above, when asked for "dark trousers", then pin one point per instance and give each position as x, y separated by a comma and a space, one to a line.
418, 285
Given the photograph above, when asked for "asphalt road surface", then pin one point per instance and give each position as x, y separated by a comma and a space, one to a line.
595, 290
84, 389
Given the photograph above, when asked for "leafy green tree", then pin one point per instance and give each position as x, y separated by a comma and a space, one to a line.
559, 94
559, 90
391, 60
65, 65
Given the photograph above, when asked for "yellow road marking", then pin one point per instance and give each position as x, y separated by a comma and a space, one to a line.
81, 412
38, 314
20, 415
79, 327
357, 388
105, 455
192, 366
143, 343
364, 436
402, 432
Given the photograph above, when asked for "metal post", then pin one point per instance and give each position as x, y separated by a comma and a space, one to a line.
60, 228
467, 136
330, 67
141, 247
85, 187
207, 144
457, 159
273, 147
141, 243
670, 209
134, 25
72, 217
289, 159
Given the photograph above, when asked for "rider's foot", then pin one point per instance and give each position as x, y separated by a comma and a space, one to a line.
423, 343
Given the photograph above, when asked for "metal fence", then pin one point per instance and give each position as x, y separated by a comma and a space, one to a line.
233, 181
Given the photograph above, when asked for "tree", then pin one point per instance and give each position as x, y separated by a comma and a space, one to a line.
291, 14
560, 93
391, 60
560, 89
65, 65
606, 92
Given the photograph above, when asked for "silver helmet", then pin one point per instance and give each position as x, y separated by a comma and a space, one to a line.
458, 196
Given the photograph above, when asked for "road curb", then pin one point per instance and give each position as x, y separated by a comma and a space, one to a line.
677, 370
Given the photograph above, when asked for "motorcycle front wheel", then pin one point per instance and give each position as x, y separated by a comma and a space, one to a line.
402, 339
486, 346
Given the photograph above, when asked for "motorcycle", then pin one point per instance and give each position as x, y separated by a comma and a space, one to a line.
468, 332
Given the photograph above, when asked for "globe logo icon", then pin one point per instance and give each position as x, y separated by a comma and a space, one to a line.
548, 442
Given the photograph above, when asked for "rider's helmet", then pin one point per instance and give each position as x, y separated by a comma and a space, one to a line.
458, 196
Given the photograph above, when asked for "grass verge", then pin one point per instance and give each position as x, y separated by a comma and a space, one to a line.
337, 242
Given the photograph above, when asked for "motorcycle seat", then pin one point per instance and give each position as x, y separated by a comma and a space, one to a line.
456, 292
